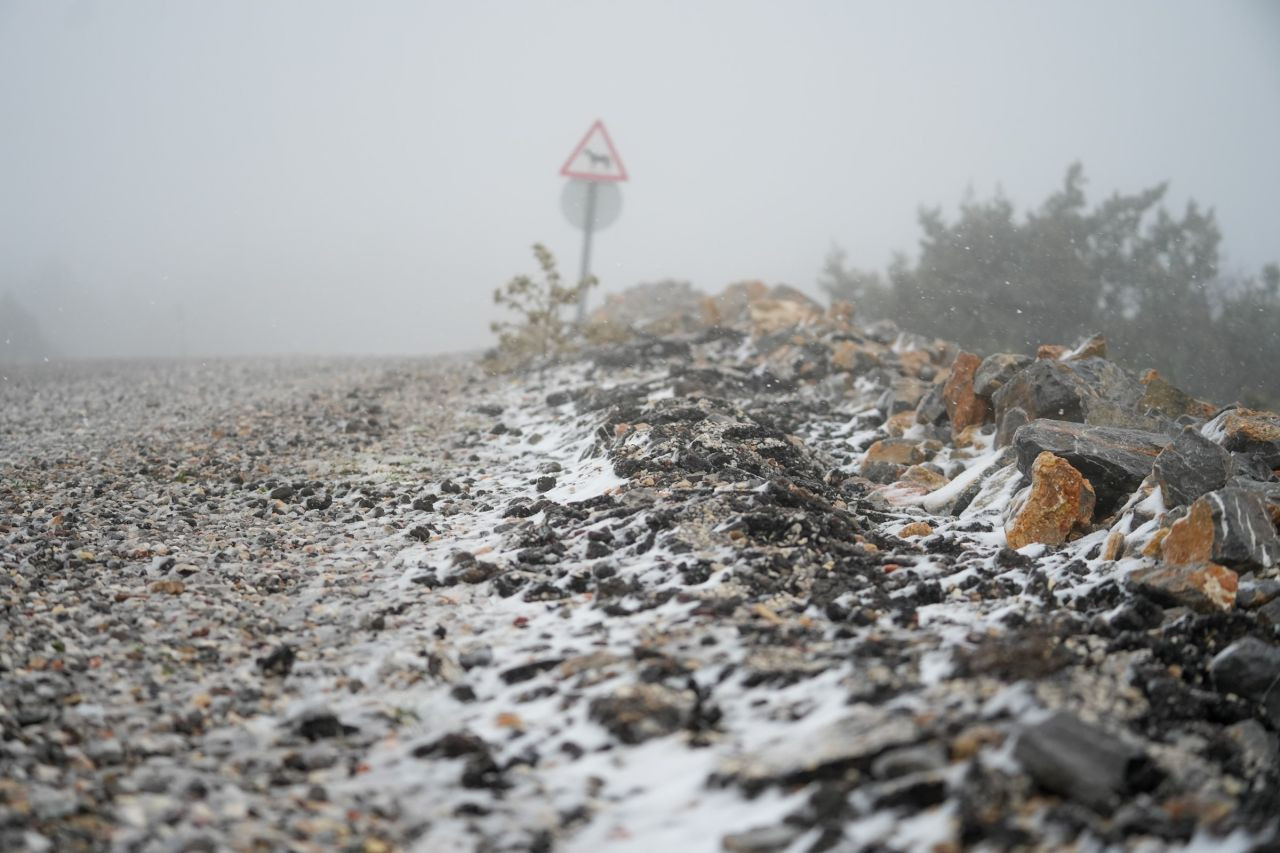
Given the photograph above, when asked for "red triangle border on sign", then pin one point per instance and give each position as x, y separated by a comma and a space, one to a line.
613, 152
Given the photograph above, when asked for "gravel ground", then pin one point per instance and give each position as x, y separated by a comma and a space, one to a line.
378, 605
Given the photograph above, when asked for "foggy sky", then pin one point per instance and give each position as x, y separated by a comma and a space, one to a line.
285, 176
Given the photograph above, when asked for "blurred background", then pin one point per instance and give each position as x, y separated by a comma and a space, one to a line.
315, 176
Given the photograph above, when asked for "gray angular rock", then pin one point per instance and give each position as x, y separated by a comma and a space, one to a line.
997, 369
1114, 461
1045, 389
1250, 668
1255, 746
639, 712
1084, 763
932, 409
1190, 466
849, 743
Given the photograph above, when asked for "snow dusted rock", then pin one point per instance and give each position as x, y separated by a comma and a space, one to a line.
1246, 431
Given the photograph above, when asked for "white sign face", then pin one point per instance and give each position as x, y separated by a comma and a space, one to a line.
577, 204
595, 158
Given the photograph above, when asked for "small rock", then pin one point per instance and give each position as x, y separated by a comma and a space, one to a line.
1060, 501
639, 712
1113, 548
1250, 668
282, 493
1255, 746
279, 661
920, 758
318, 723
1091, 346
545, 484
932, 408
898, 451
1084, 763
915, 528
766, 839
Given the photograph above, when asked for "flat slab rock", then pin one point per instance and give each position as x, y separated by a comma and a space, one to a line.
1114, 460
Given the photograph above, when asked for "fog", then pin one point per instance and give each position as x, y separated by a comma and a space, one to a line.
297, 177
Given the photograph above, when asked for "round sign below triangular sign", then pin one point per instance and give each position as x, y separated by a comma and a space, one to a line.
576, 201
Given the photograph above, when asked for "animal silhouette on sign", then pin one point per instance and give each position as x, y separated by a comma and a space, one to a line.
601, 160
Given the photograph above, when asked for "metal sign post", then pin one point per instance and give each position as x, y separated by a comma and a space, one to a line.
591, 199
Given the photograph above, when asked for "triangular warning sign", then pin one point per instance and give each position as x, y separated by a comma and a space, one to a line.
595, 158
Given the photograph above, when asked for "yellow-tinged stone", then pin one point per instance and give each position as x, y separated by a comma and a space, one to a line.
915, 528
1061, 500
1152, 548
927, 477
1113, 548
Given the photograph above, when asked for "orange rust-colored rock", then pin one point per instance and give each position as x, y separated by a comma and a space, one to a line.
915, 528
1190, 538
900, 423
1061, 500
899, 451
964, 408
852, 356
1052, 352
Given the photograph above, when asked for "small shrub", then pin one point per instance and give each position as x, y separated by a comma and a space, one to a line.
539, 334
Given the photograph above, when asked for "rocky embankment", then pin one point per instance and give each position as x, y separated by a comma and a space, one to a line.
748, 577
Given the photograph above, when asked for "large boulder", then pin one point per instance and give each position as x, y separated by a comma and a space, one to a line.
1087, 390
1115, 461
1060, 501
